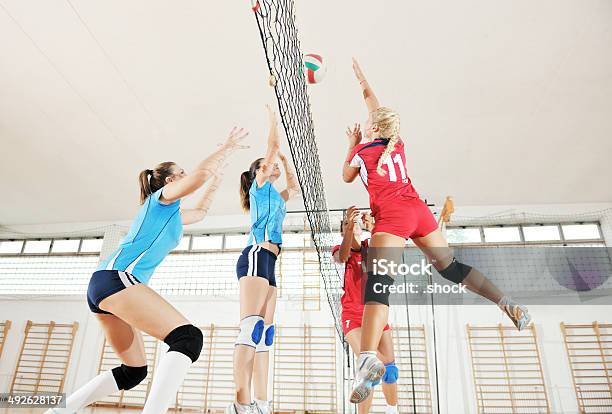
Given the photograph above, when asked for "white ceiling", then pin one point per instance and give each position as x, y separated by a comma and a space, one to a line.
501, 102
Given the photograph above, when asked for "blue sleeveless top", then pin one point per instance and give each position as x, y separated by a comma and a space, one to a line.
153, 234
267, 214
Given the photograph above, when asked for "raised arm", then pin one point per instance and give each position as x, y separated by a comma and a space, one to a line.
205, 169
350, 171
349, 240
196, 214
368, 94
267, 165
293, 186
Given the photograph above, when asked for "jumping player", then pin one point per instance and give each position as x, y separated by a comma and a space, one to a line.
350, 253
124, 305
255, 271
399, 214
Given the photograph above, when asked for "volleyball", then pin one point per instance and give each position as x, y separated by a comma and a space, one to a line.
315, 68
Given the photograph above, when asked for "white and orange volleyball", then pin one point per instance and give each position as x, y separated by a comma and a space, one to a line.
315, 68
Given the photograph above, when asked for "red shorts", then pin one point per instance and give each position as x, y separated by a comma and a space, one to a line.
350, 322
408, 218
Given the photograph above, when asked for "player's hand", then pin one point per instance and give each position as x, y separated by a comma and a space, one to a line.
357, 69
354, 135
218, 174
368, 221
235, 139
352, 217
271, 114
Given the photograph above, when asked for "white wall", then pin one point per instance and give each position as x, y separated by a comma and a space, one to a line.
455, 380
88, 342
454, 367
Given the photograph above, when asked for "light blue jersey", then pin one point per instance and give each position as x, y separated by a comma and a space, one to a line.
267, 214
154, 233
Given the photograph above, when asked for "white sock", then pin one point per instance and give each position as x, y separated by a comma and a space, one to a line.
367, 354
391, 409
97, 388
169, 376
261, 403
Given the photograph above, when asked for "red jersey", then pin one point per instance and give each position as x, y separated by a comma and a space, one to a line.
393, 186
352, 301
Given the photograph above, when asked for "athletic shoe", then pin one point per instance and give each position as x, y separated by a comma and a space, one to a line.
59, 411
517, 313
371, 369
265, 407
391, 409
242, 409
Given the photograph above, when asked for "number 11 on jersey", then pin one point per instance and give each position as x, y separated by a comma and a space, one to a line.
391, 166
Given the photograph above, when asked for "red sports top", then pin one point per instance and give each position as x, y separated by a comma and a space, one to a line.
351, 300
395, 185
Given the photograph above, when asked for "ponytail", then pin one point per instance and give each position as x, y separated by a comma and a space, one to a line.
145, 186
152, 180
389, 124
246, 181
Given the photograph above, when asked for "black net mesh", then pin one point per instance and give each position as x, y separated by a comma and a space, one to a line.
276, 23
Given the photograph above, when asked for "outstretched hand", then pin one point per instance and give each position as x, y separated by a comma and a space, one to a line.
235, 138
352, 217
271, 114
367, 221
218, 173
354, 134
357, 69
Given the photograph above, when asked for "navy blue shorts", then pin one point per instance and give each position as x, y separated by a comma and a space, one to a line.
104, 283
257, 261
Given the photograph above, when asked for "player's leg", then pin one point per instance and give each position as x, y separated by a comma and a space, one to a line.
262, 354
253, 294
128, 345
376, 311
353, 337
436, 248
144, 309
389, 379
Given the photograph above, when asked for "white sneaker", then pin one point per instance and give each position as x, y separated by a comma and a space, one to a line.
236, 408
59, 411
391, 409
518, 314
265, 407
371, 369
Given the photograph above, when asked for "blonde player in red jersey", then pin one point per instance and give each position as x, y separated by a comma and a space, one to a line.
399, 214
350, 253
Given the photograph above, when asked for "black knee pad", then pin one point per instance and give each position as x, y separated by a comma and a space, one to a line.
186, 339
456, 271
128, 377
377, 288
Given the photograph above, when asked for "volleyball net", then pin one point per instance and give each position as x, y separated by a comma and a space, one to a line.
279, 37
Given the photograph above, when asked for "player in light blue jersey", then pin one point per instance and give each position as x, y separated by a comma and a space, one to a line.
122, 302
255, 271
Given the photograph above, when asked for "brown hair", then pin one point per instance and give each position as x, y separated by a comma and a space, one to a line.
389, 123
246, 181
152, 180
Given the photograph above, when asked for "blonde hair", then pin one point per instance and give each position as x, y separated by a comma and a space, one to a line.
388, 122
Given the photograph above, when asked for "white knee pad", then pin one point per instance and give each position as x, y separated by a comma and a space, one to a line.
268, 339
251, 331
